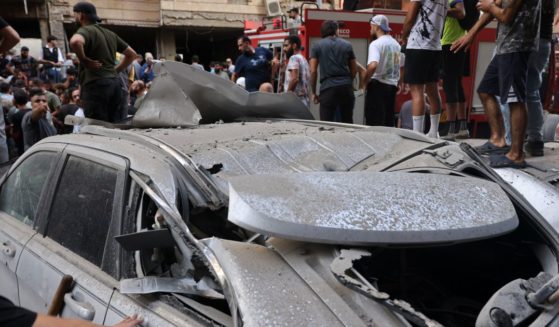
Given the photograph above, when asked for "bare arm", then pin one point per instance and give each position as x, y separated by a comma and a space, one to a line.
465, 42
10, 38
457, 11
234, 77
48, 321
353, 68
361, 71
314, 74
411, 17
371, 68
294, 74
129, 56
505, 15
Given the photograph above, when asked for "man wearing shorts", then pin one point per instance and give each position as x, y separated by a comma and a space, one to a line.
517, 37
422, 37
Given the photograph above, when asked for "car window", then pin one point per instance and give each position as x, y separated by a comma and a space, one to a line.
82, 208
21, 191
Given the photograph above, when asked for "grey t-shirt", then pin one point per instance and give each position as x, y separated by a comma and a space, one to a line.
523, 33
333, 56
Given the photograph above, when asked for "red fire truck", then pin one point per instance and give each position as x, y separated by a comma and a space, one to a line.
354, 26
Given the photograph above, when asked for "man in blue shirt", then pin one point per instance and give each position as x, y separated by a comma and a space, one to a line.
253, 64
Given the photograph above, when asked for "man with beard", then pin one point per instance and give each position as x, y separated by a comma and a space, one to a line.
95, 47
253, 65
25, 63
297, 75
383, 74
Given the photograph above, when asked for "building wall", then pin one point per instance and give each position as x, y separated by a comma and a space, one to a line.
210, 13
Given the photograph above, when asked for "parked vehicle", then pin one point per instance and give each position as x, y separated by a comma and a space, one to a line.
268, 223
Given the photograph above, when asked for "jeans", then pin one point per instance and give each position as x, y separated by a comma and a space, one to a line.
537, 63
52, 75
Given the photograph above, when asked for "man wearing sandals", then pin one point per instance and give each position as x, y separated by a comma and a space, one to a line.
517, 37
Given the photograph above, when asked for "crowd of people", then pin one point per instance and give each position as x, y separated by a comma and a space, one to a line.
435, 39
103, 78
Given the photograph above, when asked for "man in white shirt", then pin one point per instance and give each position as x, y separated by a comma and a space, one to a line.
421, 35
52, 59
382, 75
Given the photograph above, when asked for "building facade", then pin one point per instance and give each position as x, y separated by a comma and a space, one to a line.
207, 28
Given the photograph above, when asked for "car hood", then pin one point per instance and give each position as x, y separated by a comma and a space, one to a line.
370, 208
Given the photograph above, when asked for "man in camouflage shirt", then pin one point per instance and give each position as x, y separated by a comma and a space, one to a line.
517, 37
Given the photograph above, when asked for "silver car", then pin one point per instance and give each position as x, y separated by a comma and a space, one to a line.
293, 223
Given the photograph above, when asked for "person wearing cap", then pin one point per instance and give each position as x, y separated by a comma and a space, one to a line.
25, 63
421, 35
52, 59
338, 66
95, 47
382, 75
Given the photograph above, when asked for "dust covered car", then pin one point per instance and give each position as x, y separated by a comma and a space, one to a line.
271, 223
268, 222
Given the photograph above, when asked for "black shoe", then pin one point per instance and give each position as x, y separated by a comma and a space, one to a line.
534, 148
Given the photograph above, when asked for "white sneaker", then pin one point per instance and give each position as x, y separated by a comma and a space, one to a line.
462, 134
433, 135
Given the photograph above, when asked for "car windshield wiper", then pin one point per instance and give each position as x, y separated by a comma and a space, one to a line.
342, 268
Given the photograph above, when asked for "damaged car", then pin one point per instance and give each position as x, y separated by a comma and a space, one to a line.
272, 222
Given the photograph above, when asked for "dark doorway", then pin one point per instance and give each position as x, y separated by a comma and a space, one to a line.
210, 44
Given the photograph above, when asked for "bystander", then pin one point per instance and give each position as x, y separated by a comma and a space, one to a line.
422, 37
96, 46
517, 37
298, 74
338, 67
382, 74
253, 64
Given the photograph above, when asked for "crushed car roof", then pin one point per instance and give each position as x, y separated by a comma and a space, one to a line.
287, 149
182, 95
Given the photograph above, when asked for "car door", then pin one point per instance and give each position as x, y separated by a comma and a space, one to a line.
84, 209
20, 195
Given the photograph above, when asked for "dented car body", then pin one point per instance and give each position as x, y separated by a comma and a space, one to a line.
272, 223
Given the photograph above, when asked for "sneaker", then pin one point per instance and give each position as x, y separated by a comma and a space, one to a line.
534, 148
462, 134
449, 137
